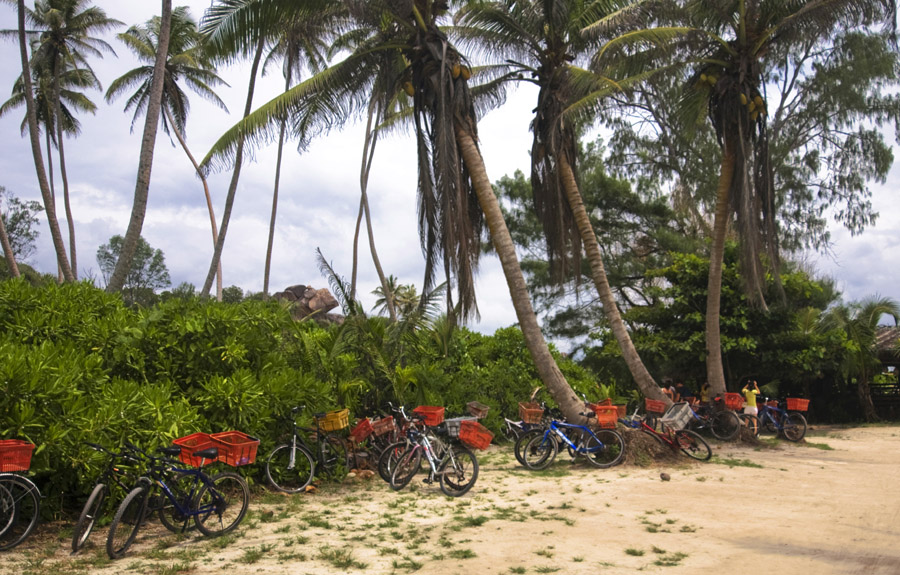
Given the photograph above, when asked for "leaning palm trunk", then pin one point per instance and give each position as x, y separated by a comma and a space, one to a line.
715, 373
63, 174
638, 371
34, 135
534, 340
7, 251
864, 394
235, 176
145, 164
209, 206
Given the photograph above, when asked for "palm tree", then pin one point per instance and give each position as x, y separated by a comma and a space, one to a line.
65, 38
543, 41
185, 62
728, 86
145, 163
34, 135
859, 322
8, 251
453, 181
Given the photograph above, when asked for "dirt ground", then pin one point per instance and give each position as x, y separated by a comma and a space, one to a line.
828, 506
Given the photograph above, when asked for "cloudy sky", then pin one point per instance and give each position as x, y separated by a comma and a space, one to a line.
319, 194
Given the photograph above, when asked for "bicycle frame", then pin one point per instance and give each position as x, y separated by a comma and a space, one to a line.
554, 429
668, 437
430, 451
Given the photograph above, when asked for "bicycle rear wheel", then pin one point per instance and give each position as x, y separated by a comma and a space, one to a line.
540, 451
20, 506
458, 471
794, 428
693, 445
92, 509
406, 468
290, 476
523, 440
725, 425
333, 454
124, 527
605, 448
222, 505
389, 458
751, 423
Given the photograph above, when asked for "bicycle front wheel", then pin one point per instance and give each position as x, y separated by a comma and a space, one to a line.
388, 459
20, 506
406, 468
458, 471
184, 488
794, 428
540, 451
523, 440
290, 469
124, 527
222, 504
605, 448
693, 445
725, 425
92, 509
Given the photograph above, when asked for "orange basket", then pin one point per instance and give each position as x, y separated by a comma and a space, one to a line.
235, 448
797, 404
607, 415
362, 430
623, 410
531, 412
734, 401
655, 406
193, 443
15, 455
477, 409
606, 401
383, 425
474, 434
433, 415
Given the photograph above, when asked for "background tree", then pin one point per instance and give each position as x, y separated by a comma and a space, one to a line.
20, 221
148, 271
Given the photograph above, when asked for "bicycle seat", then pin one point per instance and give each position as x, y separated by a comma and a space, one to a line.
208, 453
172, 451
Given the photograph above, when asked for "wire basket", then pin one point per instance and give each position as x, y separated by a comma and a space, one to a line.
433, 415
191, 444
677, 416
362, 430
477, 409
15, 455
531, 412
335, 420
453, 425
235, 448
797, 404
475, 435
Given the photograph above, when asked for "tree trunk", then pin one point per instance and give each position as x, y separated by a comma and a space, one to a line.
145, 164
34, 135
62, 171
235, 176
638, 371
7, 251
49, 140
287, 86
864, 393
209, 206
546, 366
715, 373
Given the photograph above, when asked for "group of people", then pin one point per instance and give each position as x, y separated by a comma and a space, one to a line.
681, 392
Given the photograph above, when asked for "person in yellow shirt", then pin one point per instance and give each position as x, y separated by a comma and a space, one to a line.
750, 397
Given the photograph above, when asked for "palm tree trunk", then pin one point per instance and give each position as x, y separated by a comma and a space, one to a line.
209, 206
235, 176
49, 141
546, 366
7, 251
715, 373
864, 393
638, 371
145, 163
271, 241
34, 135
62, 172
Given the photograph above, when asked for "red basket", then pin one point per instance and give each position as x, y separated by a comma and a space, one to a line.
607, 415
433, 415
734, 401
235, 448
623, 410
192, 443
362, 430
474, 434
606, 401
15, 455
383, 425
531, 412
797, 404
655, 406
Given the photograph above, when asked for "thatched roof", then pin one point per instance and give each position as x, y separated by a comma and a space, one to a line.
887, 343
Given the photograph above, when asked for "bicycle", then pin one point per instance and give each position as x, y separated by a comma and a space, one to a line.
111, 477
776, 419
688, 442
603, 448
20, 498
456, 468
291, 467
724, 424
401, 442
217, 504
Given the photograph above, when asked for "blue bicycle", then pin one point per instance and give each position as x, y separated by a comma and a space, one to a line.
778, 420
602, 447
217, 504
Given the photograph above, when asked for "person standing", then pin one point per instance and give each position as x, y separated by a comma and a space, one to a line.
750, 397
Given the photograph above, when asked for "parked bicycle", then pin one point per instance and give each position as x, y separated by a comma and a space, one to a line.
401, 442
456, 469
216, 504
20, 499
602, 447
291, 467
775, 417
117, 475
722, 423
672, 433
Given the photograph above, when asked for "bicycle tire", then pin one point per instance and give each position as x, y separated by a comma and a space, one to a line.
458, 472
88, 517
692, 445
180, 484
523, 441
228, 497
21, 509
751, 423
127, 521
540, 452
289, 478
656, 437
725, 425
389, 458
7, 509
333, 456
605, 448
794, 426
406, 468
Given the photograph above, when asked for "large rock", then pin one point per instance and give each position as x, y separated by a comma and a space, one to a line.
307, 300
